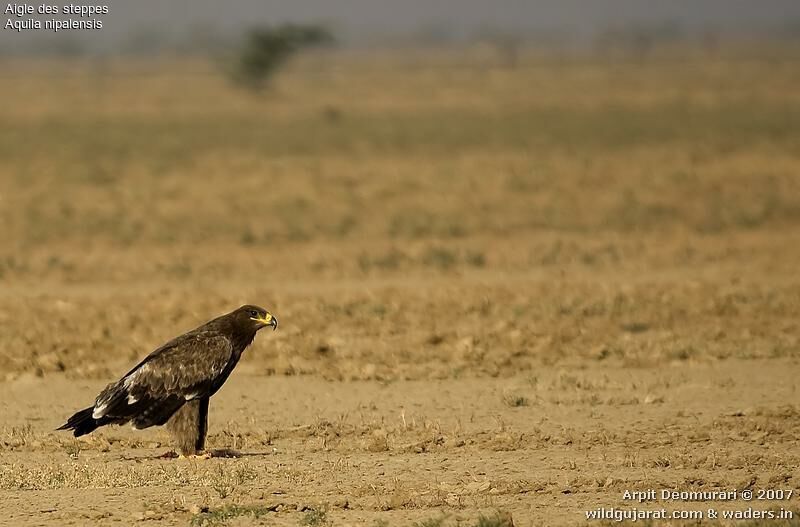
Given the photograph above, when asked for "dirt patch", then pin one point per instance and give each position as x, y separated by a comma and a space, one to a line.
365, 451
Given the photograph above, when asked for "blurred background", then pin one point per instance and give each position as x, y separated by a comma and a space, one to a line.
187, 26
600, 179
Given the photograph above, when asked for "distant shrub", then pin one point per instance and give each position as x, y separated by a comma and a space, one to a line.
266, 49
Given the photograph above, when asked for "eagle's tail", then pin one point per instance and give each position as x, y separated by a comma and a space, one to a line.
82, 422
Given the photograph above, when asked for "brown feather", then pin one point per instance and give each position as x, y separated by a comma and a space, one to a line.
176, 380
189, 426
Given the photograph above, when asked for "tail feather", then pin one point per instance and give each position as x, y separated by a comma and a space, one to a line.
144, 413
82, 422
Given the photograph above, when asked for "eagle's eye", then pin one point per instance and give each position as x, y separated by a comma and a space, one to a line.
254, 314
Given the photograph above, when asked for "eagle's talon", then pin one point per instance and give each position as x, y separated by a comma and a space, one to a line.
198, 455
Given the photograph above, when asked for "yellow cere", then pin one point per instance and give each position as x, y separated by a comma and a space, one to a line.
266, 319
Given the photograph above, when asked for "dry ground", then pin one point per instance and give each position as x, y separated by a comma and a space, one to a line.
544, 447
501, 291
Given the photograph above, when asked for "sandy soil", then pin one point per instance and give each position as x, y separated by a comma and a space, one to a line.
384, 415
411, 450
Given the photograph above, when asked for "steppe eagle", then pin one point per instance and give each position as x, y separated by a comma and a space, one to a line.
173, 384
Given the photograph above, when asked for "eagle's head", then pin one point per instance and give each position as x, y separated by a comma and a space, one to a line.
254, 318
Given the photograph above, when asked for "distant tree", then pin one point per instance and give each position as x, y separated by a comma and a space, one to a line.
266, 49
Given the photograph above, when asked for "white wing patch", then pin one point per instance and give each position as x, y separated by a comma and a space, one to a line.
130, 379
99, 411
101, 404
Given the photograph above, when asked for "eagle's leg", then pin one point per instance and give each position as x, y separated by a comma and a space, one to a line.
202, 426
189, 426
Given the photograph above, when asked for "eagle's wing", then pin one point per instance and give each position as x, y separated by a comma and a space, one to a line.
185, 368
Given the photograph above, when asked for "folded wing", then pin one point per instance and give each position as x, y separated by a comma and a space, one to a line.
189, 367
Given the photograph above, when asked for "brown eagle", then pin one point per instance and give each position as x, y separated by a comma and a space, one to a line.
173, 384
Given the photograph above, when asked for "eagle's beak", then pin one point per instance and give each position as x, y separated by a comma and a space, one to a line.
269, 320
